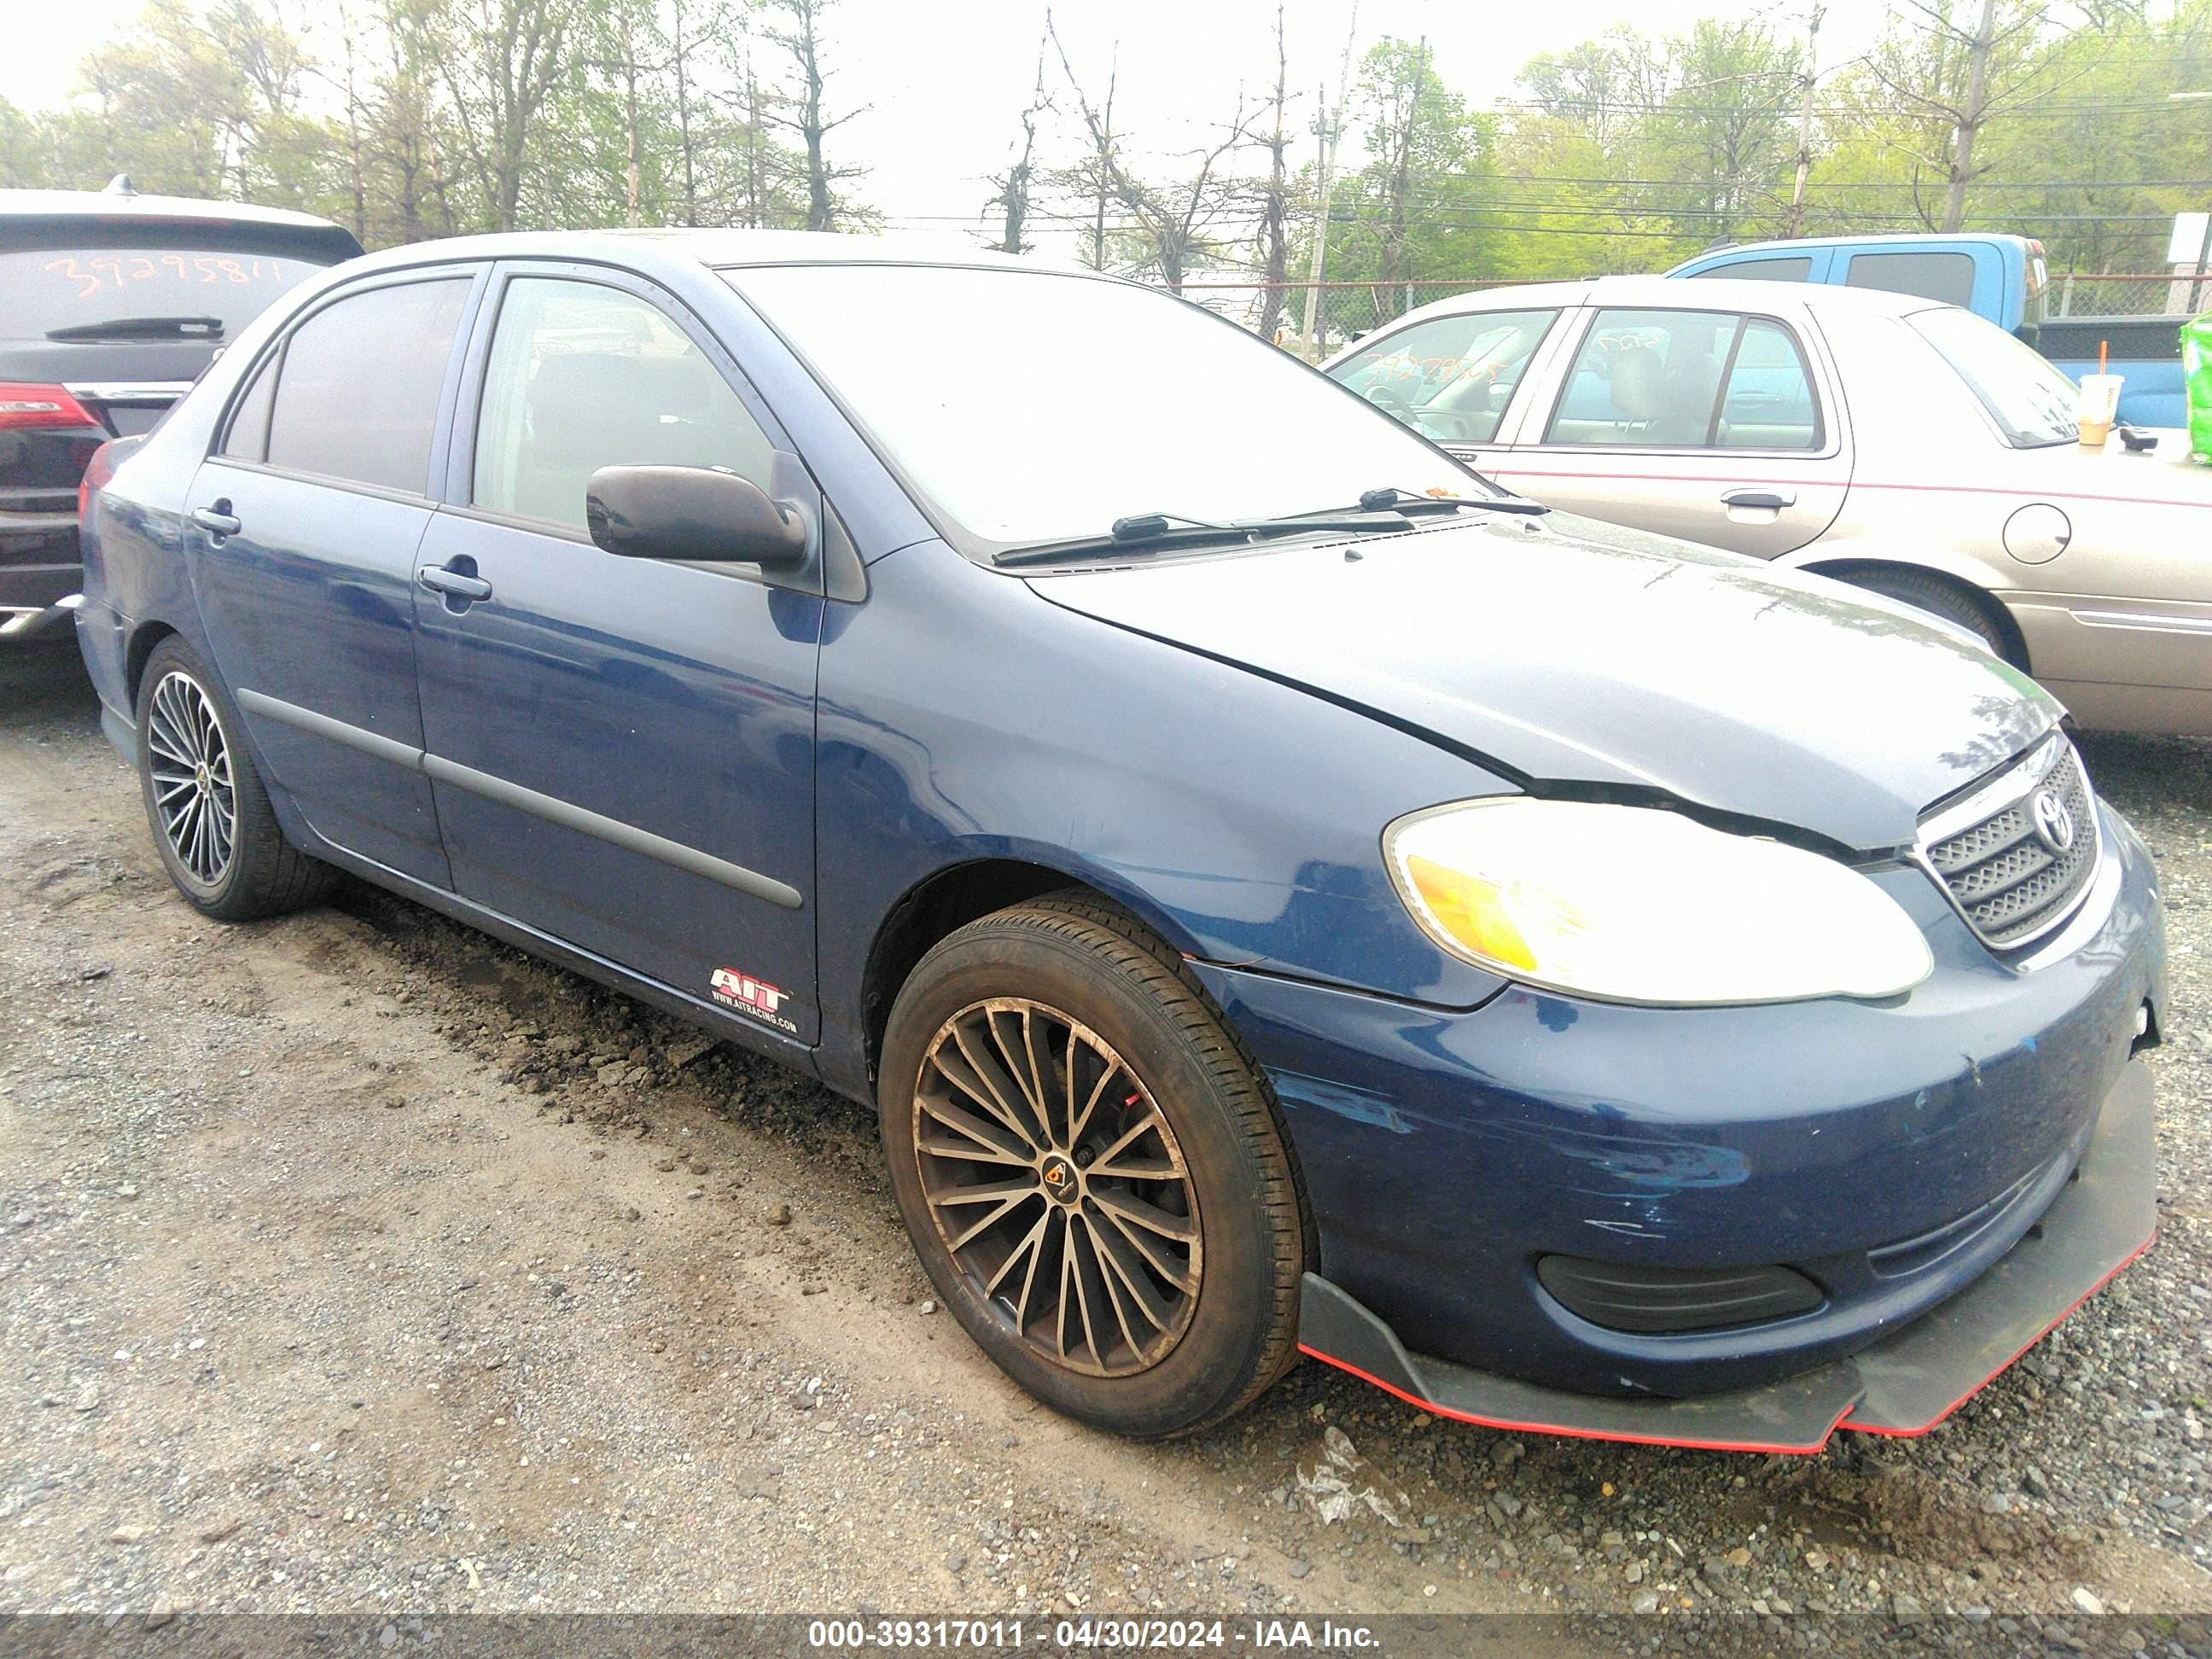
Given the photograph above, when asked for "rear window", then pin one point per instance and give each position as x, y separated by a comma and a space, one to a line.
42, 289
358, 387
2033, 404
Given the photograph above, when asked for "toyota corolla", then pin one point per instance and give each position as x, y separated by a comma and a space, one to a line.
1279, 891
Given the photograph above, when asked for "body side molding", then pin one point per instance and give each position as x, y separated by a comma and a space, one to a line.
551, 808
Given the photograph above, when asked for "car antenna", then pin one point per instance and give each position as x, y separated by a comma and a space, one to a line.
121, 185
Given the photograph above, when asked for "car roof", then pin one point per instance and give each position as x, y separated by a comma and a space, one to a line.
1875, 239
1671, 294
121, 207
725, 249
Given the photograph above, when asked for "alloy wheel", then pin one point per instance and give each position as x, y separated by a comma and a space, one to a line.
1057, 1187
193, 793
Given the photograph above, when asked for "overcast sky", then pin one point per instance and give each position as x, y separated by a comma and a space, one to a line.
944, 84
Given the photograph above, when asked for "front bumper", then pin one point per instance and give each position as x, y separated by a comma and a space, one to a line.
1904, 1385
1891, 1153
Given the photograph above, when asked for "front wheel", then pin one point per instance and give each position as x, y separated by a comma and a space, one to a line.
1091, 1171
213, 825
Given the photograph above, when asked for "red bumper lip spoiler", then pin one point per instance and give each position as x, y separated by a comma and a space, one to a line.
1902, 1386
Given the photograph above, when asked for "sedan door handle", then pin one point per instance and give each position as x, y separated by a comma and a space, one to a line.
439, 580
215, 522
1773, 501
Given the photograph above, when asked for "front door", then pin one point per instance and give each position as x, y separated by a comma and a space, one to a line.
304, 528
621, 750
1708, 425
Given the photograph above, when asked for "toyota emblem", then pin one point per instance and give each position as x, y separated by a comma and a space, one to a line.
2054, 824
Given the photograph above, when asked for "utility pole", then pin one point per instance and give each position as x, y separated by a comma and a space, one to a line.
1969, 125
1329, 128
1805, 121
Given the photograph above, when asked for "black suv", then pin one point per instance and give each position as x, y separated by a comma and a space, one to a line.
110, 305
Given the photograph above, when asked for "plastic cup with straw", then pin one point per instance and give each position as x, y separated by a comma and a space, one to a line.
2100, 403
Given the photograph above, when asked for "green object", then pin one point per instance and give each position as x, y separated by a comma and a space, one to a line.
2197, 371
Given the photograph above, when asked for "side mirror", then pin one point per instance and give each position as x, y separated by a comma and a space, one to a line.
692, 512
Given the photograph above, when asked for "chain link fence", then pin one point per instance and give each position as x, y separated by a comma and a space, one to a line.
1344, 311
2074, 294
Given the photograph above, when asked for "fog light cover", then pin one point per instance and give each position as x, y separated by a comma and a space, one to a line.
1653, 1301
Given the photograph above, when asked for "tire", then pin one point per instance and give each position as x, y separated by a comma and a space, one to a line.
1182, 1133
211, 820
1939, 597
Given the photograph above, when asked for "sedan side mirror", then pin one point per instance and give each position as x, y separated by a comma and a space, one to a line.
692, 512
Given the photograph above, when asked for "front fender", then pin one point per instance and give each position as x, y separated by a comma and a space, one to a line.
961, 717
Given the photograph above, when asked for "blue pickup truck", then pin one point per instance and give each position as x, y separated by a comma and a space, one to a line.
2000, 277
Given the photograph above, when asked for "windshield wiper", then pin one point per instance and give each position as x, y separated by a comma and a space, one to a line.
142, 328
1392, 499
1152, 533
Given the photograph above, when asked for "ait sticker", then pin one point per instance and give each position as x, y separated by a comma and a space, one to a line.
750, 996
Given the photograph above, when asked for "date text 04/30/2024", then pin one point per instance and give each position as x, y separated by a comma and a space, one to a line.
1113, 1633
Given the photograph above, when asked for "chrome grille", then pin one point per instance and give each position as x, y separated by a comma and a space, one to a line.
2002, 853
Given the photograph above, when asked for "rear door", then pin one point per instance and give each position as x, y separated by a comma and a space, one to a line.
1715, 426
622, 748
305, 527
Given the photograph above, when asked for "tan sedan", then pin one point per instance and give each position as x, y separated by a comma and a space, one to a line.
1907, 447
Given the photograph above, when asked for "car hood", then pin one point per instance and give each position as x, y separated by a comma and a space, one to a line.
1559, 650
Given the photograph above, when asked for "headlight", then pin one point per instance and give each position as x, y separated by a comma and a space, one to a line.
1634, 904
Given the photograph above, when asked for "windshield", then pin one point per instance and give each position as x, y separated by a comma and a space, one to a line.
1031, 407
2033, 404
45, 289
1450, 377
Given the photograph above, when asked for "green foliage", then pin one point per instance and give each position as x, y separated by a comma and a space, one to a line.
412, 118
1420, 202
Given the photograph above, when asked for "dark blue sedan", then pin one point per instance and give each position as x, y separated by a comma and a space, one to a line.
1280, 892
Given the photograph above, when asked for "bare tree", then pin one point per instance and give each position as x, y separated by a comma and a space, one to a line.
1403, 121
499, 67
1274, 193
1014, 197
682, 44
1958, 80
1172, 222
804, 113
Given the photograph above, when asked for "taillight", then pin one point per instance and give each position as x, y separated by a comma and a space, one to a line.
26, 405
97, 472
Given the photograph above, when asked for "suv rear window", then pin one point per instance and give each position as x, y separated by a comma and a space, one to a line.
42, 289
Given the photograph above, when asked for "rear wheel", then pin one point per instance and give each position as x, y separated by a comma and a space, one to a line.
1939, 597
1090, 1171
212, 822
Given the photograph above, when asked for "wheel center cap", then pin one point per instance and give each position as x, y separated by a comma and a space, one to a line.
1059, 1178
200, 775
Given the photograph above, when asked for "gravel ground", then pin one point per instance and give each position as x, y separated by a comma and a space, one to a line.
353, 1262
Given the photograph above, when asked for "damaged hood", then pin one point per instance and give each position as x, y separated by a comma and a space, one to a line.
1560, 650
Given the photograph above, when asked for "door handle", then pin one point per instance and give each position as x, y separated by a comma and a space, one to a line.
439, 580
1773, 500
217, 521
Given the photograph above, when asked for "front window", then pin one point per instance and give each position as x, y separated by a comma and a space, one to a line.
87, 290
2033, 404
583, 376
1450, 378
1030, 407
